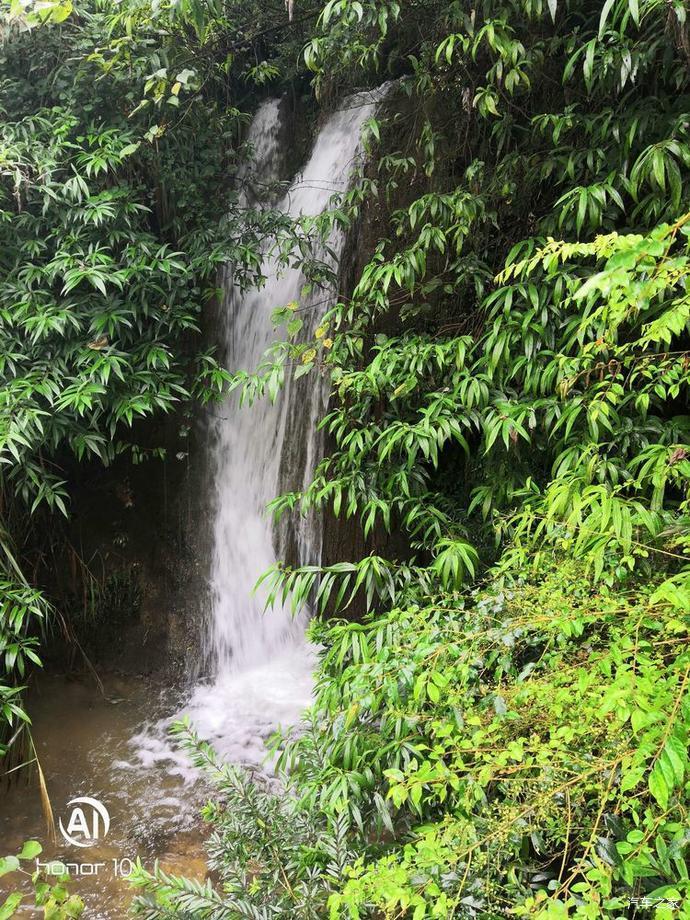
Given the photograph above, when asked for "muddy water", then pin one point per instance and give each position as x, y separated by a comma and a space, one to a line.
86, 742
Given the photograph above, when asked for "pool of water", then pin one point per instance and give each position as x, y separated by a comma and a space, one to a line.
86, 744
113, 746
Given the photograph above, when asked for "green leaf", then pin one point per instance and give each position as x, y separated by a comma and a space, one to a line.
129, 149
658, 786
9, 907
605, 11
8, 864
31, 849
676, 754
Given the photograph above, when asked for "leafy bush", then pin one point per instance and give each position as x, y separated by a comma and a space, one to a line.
521, 746
274, 858
52, 897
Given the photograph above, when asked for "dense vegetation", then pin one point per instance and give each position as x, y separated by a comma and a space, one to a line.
506, 729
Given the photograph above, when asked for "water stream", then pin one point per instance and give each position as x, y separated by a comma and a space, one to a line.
260, 663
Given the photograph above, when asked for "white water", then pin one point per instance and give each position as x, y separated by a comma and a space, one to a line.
261, 661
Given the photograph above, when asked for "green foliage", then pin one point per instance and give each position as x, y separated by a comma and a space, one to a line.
531, 738
51, 897
528, 393
525, 749
524, 745
510, 394
22, 613
107, 253
269, 854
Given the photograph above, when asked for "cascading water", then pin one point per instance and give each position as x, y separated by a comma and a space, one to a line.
263, 664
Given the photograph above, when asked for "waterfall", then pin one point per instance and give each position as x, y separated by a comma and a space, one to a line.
261, 661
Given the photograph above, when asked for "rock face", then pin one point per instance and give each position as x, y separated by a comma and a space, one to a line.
133, 588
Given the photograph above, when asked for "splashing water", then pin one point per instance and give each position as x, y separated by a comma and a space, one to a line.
262, 662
